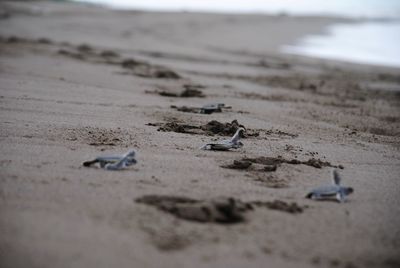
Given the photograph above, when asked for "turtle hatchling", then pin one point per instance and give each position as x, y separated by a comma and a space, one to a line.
331, 191
226, 145
116, 162
213, 108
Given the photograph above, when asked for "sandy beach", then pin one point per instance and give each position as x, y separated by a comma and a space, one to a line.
80, 81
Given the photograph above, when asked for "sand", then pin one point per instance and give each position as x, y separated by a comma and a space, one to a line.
80, 81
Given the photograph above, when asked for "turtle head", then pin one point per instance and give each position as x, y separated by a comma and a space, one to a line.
348, 190
344, 191
131, 161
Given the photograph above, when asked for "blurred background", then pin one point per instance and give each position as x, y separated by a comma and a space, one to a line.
371, 36
370, 8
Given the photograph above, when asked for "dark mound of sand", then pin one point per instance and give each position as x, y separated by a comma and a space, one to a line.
273, 161
211, 128
223, 210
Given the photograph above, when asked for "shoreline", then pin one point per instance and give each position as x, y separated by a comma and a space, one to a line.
79, 82
339, 42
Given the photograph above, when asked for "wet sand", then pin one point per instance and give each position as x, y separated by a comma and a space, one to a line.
80, 81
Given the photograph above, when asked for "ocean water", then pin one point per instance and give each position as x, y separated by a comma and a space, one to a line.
374, 41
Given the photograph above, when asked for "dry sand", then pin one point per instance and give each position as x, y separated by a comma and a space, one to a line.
63, 103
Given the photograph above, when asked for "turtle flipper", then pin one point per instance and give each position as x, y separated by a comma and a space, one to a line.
236, 137
130, 154
115, 166
118, 165
104, 163
89, 163
341, 197
114, 162
336, 177
125, 161
205, 147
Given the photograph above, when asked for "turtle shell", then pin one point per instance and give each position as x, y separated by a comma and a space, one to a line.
219, 146
325, 191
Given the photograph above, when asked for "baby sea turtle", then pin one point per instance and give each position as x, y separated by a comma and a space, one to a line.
117, 162
213, 108
330, 191
226, 145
